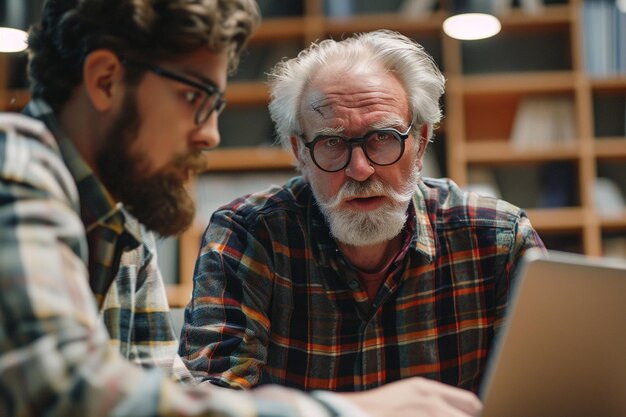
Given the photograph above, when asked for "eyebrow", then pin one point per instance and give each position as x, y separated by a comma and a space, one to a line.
388, 122
330, 131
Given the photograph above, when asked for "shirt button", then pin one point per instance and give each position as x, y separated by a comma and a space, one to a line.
353, 284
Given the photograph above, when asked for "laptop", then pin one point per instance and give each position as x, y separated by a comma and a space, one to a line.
562, 350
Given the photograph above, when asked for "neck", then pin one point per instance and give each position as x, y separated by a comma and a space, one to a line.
372, 258
81, 128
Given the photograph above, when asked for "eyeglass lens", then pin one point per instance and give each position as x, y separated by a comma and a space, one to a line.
382, 147
212, 102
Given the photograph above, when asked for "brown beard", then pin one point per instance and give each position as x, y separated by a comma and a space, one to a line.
159, 201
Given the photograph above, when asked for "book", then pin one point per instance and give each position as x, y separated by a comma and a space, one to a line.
531, 6
604, 37
417, 8
544, 121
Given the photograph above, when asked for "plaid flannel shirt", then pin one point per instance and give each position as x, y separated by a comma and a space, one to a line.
274, 300
82, 296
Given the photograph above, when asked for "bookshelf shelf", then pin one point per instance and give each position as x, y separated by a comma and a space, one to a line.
610, 148
554, 15
13, 100
427, 25
249, 93
611, 83
561, 219
544, 82
614, 223
249, 159
499, 152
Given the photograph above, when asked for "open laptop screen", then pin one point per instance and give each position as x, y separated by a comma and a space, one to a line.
562, 351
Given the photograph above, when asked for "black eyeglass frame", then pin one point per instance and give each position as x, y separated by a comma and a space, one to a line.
360, 141
207, 89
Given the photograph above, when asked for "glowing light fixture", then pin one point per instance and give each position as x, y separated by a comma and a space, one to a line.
471, 20
12, 40
15, 18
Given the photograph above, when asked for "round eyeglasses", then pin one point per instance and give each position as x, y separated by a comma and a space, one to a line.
210, 98
381, 147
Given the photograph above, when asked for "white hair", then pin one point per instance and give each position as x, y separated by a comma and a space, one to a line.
394, 52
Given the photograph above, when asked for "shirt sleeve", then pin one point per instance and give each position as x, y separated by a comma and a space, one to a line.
225, 336
524, 237
136, 311
56, 358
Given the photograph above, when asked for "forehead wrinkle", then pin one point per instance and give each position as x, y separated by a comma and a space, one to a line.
318, 105
359, 99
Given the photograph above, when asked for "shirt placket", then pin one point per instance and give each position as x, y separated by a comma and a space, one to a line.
369, 368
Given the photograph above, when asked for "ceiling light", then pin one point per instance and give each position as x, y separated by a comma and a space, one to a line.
16, 16
12, 40
471, 20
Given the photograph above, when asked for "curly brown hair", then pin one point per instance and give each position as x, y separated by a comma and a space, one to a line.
141, 30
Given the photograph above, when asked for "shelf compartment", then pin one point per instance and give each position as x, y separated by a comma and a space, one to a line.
566, 241
614, 242
530, 185
544, 47
246, 126
424, 30
522, 117
259, 59
609, 190
550, 16
276, 29
281, 8
609, 109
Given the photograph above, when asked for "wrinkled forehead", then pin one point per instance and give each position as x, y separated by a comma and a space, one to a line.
353, 97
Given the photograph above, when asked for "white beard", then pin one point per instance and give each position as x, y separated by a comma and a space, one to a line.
364, 228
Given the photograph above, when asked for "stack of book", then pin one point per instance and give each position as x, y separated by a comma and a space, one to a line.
544, 121
604, 33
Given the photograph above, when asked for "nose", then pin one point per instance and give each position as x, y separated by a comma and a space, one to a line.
206, 136
359, 167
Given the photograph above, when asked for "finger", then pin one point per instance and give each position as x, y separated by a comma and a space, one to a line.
460, 398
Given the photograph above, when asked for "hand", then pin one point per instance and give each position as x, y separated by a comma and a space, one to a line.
416, 397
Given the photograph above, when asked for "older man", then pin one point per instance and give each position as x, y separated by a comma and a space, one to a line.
360, 272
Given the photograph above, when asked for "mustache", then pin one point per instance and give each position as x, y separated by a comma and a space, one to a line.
369, 188
195, 162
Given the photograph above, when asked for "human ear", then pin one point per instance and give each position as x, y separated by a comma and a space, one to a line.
423, 144
297, 152
103, 76
423, 140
